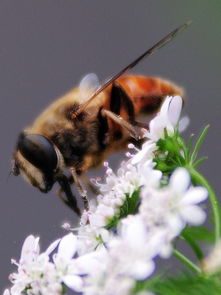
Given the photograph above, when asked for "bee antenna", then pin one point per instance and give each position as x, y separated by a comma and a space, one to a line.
148, 52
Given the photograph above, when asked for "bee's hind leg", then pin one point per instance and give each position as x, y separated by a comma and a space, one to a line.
121, 100
123, 123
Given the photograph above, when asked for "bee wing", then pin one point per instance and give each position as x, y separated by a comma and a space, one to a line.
88, 85
148, 52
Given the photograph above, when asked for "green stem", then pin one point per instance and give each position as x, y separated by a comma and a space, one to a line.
186, 261
199, 179
196, 249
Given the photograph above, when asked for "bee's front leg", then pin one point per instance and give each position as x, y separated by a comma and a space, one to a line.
93, 188
70, 199
80, 186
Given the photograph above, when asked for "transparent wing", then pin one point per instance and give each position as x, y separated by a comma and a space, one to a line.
88, 85
148, 52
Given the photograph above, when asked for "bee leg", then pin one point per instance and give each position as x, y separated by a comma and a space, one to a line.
121, 100
93, 188
80, 187
141, 124
59, 193
70, 199
119, 120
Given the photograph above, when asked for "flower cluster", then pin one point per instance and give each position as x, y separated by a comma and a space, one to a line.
139, 212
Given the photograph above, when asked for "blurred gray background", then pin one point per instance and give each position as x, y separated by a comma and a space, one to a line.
47, 46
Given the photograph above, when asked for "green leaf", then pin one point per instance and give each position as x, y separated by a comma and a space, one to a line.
189, 147
199, 161
162, 166
183, 285
199, 233
130, 206
199, 143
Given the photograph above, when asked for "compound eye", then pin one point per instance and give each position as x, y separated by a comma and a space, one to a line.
39, 151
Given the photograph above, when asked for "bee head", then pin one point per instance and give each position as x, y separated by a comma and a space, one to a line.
38, 160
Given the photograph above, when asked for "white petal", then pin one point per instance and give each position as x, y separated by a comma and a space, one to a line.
165, 107
193, 215
183, 123
166, 251
133, 231
138, 157
68, 246
97, 220
6, 292
73, 282
146, 151
105, 210
18, 288
154, 178
174, 110
52, 247
156, 127
141, 270
180, 180
194, 195
86, 264
30, 247
176, 225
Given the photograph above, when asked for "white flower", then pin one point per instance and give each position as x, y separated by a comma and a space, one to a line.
73, 270
129, 178
34, 271
126, 180
106, 278
167, 118
91, 238
30, 250
41, 276
187, 198
134, 242
169, 209
108, 284
145, 154
113, 194
129, 257
64, 263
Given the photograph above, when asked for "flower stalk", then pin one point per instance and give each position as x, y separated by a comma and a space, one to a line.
187, 261
200, 179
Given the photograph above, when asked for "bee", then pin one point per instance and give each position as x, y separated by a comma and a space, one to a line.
82, 128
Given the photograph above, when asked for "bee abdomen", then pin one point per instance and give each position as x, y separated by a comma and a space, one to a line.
147, 93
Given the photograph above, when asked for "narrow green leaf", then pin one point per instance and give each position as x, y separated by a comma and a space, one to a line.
199, 162
199, 143
195, 247
189, 147
187, 285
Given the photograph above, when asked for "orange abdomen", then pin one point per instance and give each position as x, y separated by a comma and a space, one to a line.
147, 93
